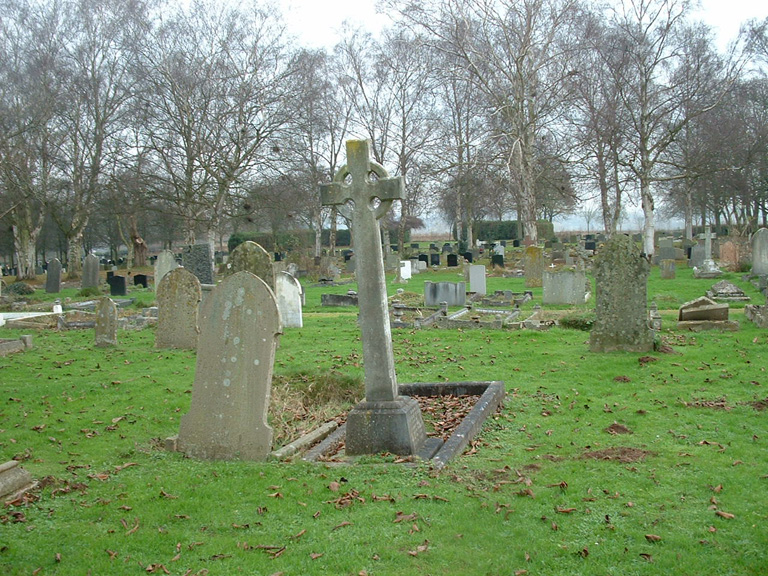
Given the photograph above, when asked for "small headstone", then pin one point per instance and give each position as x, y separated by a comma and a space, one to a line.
621, 274
251, 257
760, 252
452, 260
405, 272
178, 299
198, 259
118, 286
590, 245
477, 280
564, 287
289, 298
227, 417
434, 259
730, 257
105, 332
668, 269
534, 266
90, 272
469, 257
697, 256
454, 293
497, 261
53, 277
141, 280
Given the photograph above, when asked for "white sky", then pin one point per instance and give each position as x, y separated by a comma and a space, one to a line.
317, 22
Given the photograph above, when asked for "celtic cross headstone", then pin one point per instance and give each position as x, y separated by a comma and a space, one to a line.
384, 421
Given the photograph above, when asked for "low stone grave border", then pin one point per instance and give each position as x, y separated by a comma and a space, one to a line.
436, 452
11, 345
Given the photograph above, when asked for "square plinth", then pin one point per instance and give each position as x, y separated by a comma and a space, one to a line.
393, 426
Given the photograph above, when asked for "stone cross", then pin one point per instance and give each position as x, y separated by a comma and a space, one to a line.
364, 191
707, 236
384, 421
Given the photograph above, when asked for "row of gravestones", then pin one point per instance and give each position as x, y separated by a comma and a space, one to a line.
179, 294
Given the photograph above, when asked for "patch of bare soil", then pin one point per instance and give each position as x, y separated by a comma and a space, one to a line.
619, 453
716, 404
622, 379
759, 405
617, 428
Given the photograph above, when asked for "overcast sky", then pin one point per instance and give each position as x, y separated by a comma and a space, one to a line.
318, 22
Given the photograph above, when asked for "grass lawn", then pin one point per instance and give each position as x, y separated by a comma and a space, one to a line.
615, 464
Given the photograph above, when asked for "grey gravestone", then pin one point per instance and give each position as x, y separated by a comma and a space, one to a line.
53, 277
454, 293
708, 268
697, 256
384, 421
760, 252
227, 417
252, 257
105, 332
667, 268
198, 259
166, 261
621, 274
178, 299
90, 272
477, 281
288, 293
564, 287
534, 266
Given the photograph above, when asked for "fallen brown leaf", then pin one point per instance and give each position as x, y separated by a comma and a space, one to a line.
315, 556
726, 515
345, 523
652, 538
646, 557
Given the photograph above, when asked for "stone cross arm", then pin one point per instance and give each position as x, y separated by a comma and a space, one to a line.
353, 182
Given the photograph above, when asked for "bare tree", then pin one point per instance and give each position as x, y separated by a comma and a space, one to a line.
217, 79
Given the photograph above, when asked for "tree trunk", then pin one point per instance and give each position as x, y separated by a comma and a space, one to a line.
137, 242
649, 225
74, 255
25, 233
688, 213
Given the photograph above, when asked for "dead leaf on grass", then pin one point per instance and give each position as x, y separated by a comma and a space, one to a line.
419, 549
342, 525
653, 538
726, 515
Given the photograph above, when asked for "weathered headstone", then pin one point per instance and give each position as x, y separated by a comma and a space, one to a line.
198, 259
105, 332
178, 298
477, 280
760, 252
384, 421
697, 256
725, 291
621, 274
166, 261
53, 277
454, 293
253, 258
534, 266
288, 292
564, 287
730, 257
667, 269
227, 418
90, 272
705, 314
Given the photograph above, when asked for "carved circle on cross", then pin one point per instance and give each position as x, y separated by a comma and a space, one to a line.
377, 206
